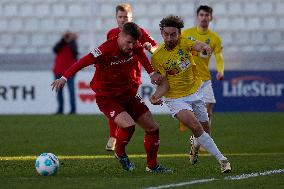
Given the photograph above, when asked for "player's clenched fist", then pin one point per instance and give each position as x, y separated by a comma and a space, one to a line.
156, 78
155, 101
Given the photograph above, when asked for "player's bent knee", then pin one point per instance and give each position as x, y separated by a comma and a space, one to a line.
147, 115
197, 130
150, 126
204, 123
205, 126
146, 121
152, 129
153, 132
124, 120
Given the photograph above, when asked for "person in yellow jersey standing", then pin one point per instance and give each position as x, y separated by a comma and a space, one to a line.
202, 33
181, 84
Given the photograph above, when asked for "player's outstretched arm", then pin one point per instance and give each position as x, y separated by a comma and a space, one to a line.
71, 71
58, 84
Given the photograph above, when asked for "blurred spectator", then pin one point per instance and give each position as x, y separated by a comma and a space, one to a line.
66, 51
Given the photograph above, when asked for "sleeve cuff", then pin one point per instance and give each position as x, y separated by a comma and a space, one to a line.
152, 73
64, 78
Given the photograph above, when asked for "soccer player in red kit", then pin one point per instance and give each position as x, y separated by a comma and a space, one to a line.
115, 61
123, 15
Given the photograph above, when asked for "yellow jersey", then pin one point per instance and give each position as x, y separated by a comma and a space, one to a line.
214, 41
178, 66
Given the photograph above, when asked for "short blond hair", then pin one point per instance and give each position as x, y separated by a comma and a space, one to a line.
125, 7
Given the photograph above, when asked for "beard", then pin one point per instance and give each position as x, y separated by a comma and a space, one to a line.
171, 45
204, 24
127, 51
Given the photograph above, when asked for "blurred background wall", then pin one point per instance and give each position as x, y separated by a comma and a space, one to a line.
252, 33
253, 29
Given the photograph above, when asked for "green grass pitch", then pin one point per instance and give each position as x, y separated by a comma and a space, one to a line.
253, 142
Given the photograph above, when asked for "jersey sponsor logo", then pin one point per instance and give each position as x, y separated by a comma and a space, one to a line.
191, 38
121, 61
174, 68
96, 52
207, 41
184, 64
172, 71
180, 52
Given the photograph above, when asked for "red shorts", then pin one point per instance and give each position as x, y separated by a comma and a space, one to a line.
111, 107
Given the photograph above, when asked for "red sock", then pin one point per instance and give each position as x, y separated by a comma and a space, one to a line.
123, 137
112, 128
151, 146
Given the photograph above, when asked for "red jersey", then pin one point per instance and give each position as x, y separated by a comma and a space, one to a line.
114, 69
145, 37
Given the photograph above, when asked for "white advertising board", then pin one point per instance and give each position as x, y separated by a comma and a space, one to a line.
29, 92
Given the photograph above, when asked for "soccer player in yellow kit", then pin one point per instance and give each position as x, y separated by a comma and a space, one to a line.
202, 33
181, 84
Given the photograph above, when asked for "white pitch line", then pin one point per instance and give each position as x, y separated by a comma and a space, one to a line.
33, 157
183, 183
246, 176
237, 177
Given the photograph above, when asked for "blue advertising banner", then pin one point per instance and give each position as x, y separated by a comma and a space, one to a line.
251, 91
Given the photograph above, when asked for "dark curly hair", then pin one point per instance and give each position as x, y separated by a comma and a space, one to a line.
171, 21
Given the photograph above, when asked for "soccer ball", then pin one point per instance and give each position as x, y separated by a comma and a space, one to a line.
47, 164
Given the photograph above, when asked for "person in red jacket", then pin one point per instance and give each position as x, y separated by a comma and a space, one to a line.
124, 15
115, 62
66, 53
